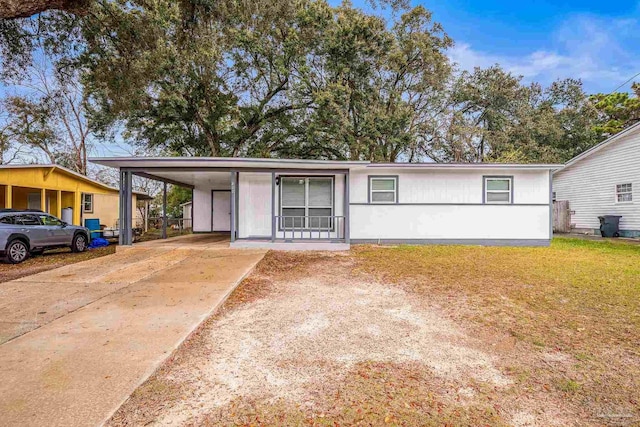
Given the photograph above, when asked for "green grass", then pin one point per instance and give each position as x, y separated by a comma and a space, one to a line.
568, 386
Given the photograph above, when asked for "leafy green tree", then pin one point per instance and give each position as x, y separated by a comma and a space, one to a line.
175, 197
296, 78
616, 111
215, 88
484, 107
376, 91
492, 116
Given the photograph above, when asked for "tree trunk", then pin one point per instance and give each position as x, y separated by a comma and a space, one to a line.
12, 9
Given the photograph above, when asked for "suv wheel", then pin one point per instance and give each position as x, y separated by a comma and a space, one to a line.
17, 251
79, 243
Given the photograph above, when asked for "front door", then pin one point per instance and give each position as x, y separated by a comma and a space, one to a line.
220, 210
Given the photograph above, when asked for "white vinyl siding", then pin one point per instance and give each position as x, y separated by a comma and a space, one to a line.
590, 184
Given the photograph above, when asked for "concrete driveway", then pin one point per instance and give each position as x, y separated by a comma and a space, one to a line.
78, 340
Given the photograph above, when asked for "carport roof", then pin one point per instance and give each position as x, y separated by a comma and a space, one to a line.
223, 162
193, 163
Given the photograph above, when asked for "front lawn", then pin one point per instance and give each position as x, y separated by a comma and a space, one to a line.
573, 311
414, 335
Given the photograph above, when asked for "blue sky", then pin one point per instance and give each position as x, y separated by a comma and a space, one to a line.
596, 41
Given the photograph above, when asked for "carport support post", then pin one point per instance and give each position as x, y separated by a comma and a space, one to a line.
347, 235
164, 210
273, 206
146, 216
126, 209
234, 196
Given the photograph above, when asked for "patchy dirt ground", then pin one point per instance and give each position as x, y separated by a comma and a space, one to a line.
48, 261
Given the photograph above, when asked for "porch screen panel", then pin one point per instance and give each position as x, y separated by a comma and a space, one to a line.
320, 202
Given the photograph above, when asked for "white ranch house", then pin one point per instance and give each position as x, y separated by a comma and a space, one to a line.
604, 180
316, 204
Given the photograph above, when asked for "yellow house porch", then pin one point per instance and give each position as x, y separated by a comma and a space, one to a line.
52, 188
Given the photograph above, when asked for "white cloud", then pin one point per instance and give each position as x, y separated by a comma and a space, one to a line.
601, 52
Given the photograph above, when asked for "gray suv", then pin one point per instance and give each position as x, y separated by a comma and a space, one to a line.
29, 232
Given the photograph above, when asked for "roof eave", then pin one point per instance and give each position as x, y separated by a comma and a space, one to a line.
467, 166
110, 160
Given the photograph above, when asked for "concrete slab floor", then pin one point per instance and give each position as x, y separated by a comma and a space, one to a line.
217, 240
108, 323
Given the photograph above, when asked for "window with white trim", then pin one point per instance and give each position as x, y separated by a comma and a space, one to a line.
383, 189
624, 193
306, 202
497, 190
87, 203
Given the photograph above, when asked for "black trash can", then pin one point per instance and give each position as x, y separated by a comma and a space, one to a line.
610, 225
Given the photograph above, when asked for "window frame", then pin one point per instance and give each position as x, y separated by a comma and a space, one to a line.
306, 207
84, 209
486, 191
618, 193
37, 218
370, 190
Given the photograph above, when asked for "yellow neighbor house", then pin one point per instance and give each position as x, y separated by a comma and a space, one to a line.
55, 189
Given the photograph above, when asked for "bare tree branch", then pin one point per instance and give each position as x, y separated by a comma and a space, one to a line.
13, 9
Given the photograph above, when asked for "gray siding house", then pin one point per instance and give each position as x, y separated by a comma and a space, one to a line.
604, 180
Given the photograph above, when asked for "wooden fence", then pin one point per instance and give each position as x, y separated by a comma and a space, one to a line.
561, 216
